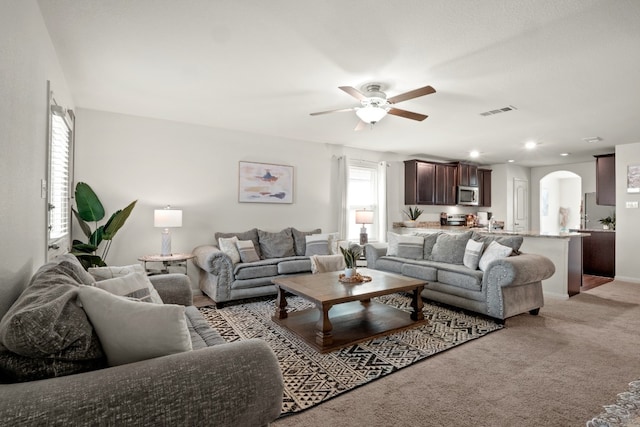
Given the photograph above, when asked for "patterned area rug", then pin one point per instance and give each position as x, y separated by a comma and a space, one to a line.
311, 378
625, 412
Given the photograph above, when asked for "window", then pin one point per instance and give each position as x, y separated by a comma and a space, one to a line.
365, 191
60, 177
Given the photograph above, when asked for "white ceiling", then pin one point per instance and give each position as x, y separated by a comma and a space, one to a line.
571, 68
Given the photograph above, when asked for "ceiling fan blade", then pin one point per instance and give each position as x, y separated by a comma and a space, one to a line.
407, 114
353, 92
342, 110
361, 125
411, 94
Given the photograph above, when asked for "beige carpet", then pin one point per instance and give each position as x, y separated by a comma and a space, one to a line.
555, 369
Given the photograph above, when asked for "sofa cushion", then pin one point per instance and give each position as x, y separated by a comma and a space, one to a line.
245, 235
110, 272
317, 244
202, 335
419, 271
254, 270
133, 285
276, 245
131, 331
294, 266
449, 248
411, 247
461, 277
514, 242
45, 320
247, 251
228, 246
299, 241
472, 254
494, 251
390, 263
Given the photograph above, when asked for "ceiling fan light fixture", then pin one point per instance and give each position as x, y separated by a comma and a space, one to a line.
371, 113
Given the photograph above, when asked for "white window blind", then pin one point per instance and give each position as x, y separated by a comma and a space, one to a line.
362, 194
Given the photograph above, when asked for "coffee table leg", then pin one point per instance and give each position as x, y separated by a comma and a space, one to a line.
281, 304
324, 327
417, 304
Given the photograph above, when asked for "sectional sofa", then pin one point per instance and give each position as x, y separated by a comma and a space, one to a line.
475, 271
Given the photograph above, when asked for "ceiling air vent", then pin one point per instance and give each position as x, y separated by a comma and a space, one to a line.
592, 139
498, 111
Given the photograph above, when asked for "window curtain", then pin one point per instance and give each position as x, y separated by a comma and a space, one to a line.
382, 201
343, 186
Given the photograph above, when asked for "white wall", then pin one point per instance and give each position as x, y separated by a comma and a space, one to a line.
627, 219
563, 192
27, 61
502, 191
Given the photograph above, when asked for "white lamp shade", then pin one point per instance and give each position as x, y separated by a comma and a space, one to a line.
371, 113
167, 218
364, 217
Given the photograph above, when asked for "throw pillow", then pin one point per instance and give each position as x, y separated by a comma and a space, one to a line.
514, 242
429, 242
411, 247
112, 272
45, 320
131, 331
317, 244
276, 245
472, 254
228, 246
299, 241
450, 248
335, 243
247, 251
133, 285
493, 252
245, 235
392, 243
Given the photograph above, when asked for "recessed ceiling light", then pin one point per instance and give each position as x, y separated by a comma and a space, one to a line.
474, 154
564, 154
510, 160
530, 145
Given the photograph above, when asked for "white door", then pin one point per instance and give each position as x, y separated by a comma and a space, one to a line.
520, 205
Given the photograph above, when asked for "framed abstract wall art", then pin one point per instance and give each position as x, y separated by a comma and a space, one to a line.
633, 179
265, 183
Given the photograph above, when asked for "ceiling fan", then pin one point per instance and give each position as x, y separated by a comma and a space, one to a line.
376, 105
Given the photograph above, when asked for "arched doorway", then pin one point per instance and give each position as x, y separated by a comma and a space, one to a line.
560, 202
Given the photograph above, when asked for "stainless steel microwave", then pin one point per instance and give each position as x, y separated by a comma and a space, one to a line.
467, 196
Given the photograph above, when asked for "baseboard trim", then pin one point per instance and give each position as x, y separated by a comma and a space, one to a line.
555, 295
627, 279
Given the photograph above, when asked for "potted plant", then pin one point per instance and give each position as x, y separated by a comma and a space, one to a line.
89, 208
609, 222
351, 256
413, 214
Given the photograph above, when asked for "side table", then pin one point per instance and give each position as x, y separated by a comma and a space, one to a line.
173, 260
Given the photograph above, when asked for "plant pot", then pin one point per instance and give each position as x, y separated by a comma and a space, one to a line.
409, 224
349, 272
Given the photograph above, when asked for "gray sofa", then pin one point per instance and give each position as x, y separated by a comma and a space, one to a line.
217, 383
280, 253
507, 286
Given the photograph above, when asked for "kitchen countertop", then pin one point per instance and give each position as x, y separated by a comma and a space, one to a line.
591, 230
459, 228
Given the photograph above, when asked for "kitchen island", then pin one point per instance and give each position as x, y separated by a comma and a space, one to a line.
564, 249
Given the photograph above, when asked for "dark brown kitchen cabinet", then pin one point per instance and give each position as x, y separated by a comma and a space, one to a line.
419, 182
445, 185
599, 253
467, 174
484, 184
606, 179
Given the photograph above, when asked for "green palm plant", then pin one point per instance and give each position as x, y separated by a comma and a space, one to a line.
350, 255
90, 209
413, 213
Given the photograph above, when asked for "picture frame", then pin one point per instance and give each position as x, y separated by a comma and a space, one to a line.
633, 179
265, 183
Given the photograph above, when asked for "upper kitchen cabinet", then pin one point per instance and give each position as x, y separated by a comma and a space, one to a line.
484, 184
419, 182
467, 174
606, 179
445, 189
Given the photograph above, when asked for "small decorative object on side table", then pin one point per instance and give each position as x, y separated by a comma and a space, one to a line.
174, 260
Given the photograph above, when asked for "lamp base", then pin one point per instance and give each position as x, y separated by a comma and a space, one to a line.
166, 243
364, 239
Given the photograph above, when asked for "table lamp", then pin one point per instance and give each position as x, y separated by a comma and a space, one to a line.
167, 218
364, 217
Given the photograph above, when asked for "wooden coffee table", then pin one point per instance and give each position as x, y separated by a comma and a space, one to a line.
344, 313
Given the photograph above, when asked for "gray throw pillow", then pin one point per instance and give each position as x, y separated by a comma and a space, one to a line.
514, 242
429, 241
410, 247
299, 242
276, 245
450, 248
317, 244
493, 252
245, 235
247, 251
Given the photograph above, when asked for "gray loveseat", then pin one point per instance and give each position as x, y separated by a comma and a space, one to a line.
216, 383
506, 287
281, 253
